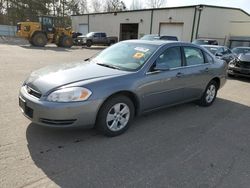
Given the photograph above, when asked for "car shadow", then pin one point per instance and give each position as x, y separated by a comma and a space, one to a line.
94, 47
240, 78
84, 158
51, 48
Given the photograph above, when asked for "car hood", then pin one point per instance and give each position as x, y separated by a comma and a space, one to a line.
244, 57
51, 77
81, 36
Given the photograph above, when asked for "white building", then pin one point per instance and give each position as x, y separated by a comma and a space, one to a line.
227, 25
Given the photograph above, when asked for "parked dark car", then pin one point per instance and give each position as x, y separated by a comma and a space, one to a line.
74, 37
96, 38
159, 37
205, 42
221, 52
127, 79
241, 50
240, 66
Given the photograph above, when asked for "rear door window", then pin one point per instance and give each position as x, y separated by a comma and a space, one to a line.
194, 56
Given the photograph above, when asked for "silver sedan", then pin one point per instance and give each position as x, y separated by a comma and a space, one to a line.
127, 79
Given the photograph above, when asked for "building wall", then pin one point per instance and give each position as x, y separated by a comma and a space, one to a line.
215, 22
76, 20
180, 15
7, 30
110, 23
221, 23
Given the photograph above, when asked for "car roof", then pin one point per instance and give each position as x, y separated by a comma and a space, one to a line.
206, 39
214, 46
242, 47
160, 42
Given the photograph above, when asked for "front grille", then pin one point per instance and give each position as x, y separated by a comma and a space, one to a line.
33, 92
244, 64
58, 122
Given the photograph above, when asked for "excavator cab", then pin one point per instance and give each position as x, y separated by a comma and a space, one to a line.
47, 23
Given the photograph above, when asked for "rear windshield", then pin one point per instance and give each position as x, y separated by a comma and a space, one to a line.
241, 51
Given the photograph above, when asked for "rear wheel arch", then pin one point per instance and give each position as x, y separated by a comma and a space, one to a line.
36, 32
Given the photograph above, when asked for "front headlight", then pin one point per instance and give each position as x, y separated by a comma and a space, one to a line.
231, 64
69, 94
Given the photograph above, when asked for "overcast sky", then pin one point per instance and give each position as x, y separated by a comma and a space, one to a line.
243, 4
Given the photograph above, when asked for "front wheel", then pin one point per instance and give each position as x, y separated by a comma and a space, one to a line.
209, 94
66, 42
89, 43
115, 116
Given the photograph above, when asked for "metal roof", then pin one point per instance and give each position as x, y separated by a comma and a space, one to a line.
166, 8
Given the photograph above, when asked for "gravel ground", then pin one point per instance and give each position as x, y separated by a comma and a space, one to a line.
182, 146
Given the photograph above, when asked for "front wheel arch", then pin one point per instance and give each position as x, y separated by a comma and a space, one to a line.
132, 96
101, 121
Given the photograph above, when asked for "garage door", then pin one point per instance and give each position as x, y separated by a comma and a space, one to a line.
172, 29
83, 28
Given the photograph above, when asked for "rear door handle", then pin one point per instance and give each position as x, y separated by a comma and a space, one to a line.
179, 74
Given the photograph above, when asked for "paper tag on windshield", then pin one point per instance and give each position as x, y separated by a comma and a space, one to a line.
138, 55
141, 49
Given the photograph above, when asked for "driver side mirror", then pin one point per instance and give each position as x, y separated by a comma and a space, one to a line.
218, 54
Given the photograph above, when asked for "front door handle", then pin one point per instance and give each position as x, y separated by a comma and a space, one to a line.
179, 74
205, 70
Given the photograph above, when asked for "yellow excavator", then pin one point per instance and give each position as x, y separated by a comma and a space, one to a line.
43, 32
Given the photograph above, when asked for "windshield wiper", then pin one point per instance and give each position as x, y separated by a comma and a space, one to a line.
109, 66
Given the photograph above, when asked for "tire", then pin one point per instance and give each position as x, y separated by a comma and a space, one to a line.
89, 43
209, 94
31, 43
66, 42
39, 39
111, 121
111, 43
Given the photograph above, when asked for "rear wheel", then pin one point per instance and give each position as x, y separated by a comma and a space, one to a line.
39, 39
115, 116
209, 94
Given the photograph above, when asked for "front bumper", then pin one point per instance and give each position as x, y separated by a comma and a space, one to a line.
238, 71
53, 114
81, 41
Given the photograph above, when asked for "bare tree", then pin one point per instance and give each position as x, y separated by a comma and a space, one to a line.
156, 3
114, 5
83, 4
97, 5
136, 5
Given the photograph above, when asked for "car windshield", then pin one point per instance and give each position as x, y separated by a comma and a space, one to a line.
199, 42
150, 37
241, 51
204, 42
213, 50
128, 56
89, 34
